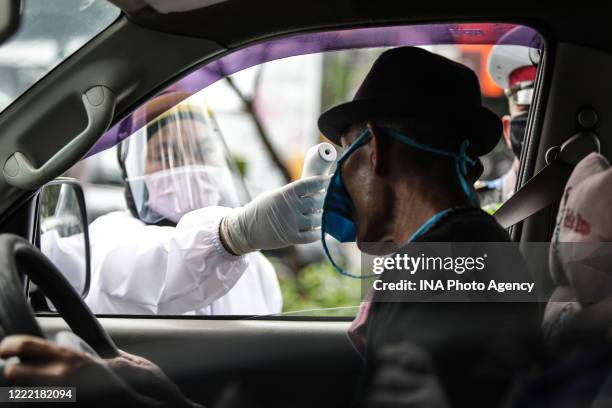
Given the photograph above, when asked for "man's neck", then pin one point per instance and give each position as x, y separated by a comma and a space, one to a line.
414, 210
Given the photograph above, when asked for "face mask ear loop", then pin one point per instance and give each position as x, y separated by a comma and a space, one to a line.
461, 161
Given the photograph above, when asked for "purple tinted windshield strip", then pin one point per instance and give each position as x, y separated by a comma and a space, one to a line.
431, 34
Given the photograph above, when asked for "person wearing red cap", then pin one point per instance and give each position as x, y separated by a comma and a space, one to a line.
513, 68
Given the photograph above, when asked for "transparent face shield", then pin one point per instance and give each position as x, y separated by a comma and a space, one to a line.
178, 163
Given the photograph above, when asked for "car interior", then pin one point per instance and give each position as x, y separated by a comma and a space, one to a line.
279, 360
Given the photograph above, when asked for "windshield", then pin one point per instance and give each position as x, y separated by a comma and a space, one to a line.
50, 32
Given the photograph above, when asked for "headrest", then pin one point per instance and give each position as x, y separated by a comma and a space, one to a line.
580, 260
585, 219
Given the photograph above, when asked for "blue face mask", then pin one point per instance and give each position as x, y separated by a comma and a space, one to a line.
337, 204
337, 220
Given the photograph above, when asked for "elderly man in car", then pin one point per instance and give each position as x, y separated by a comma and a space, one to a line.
412, 137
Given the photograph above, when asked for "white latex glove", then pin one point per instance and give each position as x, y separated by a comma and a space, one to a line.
288, 215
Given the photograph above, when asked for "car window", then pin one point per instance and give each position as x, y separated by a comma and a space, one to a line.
263, 119
50, 32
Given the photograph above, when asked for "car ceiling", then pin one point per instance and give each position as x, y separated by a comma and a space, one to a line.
237, 22
144, 51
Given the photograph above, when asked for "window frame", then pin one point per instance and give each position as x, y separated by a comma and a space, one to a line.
114, 135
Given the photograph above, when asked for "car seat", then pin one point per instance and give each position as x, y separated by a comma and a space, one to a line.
577, 324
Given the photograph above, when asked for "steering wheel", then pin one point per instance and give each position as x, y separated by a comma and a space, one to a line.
18, 257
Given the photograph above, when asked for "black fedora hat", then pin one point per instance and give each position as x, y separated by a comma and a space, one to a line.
413, 84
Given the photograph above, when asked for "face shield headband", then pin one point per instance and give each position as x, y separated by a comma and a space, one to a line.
337, 220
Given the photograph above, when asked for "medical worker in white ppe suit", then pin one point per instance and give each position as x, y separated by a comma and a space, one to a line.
185, 247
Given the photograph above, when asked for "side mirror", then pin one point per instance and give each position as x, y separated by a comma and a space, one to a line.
63, 233
10, 17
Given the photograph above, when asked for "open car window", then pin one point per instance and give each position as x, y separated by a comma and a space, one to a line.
263, 103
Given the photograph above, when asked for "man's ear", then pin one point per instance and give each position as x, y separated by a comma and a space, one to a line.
506, 127
379, 146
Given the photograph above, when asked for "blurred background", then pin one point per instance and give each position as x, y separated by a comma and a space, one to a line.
267, 115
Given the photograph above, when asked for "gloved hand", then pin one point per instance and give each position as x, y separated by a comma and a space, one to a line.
278, 218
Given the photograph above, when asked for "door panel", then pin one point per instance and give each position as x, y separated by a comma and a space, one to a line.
304, 363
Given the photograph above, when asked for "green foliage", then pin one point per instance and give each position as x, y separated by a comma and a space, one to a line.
492, 208
241, 164
319, 286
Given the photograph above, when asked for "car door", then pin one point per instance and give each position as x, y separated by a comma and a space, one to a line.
302, 360
283, 358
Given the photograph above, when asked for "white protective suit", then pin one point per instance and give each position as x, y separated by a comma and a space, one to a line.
165, 270
152, 270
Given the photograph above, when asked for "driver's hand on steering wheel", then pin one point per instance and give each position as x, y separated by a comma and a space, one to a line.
43, 363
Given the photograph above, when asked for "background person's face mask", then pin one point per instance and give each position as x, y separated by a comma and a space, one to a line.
518, 124
175, 192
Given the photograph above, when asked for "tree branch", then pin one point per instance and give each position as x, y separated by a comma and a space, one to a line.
249, 105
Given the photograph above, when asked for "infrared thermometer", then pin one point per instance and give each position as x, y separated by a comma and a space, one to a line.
318, 160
